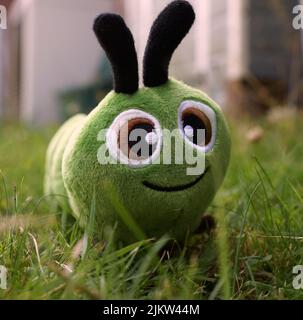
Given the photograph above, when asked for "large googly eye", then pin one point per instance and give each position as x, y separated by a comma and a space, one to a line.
197, 123
134, 138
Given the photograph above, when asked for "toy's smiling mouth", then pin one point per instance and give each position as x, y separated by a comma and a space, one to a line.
175, 188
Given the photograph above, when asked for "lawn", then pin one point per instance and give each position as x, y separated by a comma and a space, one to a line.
249, 255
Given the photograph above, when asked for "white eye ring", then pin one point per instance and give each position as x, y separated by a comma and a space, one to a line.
112, 135
187, 131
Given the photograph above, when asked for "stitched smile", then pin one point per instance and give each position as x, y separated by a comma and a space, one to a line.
155, 187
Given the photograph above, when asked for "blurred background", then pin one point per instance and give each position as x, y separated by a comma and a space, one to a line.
244, 53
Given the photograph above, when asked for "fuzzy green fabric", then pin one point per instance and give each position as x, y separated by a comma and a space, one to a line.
53, 182
73, 168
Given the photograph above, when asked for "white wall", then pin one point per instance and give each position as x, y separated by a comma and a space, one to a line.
58, 51
237, 16
214, 50
190, 57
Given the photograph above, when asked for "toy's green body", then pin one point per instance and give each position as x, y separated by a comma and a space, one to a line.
74, 173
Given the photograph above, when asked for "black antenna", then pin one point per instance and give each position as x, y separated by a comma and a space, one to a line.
117, 41
167, 32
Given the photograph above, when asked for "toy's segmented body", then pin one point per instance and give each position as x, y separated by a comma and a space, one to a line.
160, 198
54, 184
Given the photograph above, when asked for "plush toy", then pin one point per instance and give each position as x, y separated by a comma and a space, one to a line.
95, 170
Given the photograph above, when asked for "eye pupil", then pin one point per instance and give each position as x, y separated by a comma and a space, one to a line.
138, 139
192, 126
196, 126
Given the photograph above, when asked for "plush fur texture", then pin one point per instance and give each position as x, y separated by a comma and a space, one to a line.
118, 43
73, 169
167, 32
87, 182
53, 184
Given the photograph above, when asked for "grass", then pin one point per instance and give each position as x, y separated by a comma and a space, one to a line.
250, 255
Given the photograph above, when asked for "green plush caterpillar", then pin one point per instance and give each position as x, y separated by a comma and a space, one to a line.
159, 198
